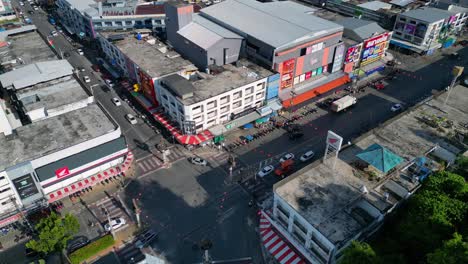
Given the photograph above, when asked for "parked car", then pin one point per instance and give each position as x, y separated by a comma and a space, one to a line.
59, 29
198, 161
96, 68
116, 101
286, 157
109, 82
265, 171
396, 107
54, 33
307, 156
115, 223
80, 51
21, 3
30, 12
86, 79
131, 119
66, 54
35, 7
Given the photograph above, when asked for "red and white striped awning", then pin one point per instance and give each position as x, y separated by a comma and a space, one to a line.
276, 245
92, 180
181, 138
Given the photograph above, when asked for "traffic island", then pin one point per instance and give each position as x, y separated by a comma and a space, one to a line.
93, 250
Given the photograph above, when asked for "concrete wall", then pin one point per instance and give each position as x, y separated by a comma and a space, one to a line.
176, 18
224, 52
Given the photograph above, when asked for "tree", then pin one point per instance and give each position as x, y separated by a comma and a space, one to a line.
53, 233
454, 251
359, 252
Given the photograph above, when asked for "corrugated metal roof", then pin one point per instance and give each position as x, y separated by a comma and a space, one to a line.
427, 14
282, 23
6, 33
362, 28
222, 31
199, 35
401, 2
375, 5
82, 158
36, 73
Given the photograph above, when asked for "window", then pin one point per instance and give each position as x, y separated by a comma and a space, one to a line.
260, 86
248, 90
224, 99
2, 178
211, 114
211, 105
128, 23
236, 104
211, 122
249, 99
200, 126
303, 51
223, 117
413, 22
198, 119
237, 95
118, 23
4, 190
180, 108
398, 33
108, 24
224, 109
173, 104
197, 109
259, 95
300, 226
402, 19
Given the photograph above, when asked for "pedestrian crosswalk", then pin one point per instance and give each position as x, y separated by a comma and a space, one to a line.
154, 162
110, 207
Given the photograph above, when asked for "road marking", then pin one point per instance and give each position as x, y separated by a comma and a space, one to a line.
151, 161
157, 161
142, 167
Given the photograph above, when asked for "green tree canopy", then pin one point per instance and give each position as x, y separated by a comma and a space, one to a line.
359, 252
454, 251
53, 233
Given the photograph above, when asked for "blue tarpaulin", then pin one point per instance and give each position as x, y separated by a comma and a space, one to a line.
248, 126
380, 158
249, 137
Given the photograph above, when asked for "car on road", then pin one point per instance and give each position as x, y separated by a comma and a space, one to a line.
59, 29
265, 171
109, 82
307, 156
86, 79
115, 223
80, 51
21, 3
396, 107
131, 119
35, 7
198, 161
54, 33
145, 238
286, 157
96, 68
30, 12
116, 101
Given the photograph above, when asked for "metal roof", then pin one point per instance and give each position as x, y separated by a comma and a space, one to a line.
282, 23
401, 3
427, 14
363, 29
380, 158
178, 85
222, 31
36, 73
6, 33
375, 5
200, 36
82, 158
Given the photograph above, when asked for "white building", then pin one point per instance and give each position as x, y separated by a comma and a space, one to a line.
85, 17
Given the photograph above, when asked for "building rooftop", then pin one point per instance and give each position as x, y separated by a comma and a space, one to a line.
25, 48
361, 29
222, 79
427, 14
53, 134
156, 59
38, 72
51, 95
333, 200
375, 5
284, 24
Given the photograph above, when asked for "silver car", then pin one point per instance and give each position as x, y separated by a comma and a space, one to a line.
198, 161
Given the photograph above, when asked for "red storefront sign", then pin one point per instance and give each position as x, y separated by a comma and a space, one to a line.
287, 73
147, 86
62, 172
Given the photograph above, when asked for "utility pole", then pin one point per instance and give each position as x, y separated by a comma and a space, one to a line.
13, 200
137, 212
456, 72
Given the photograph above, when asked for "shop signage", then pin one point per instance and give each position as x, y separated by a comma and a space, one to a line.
287, 73
375, 47
243, 113
334, 140
353, 53
25, 186
62, 172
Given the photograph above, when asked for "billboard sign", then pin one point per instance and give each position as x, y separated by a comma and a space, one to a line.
147, 87
25, 186
287, 73
62, 172
375, 47
353, 53
334, 140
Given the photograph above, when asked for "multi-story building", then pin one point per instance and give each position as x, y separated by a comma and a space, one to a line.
425, 29
86, 17
6, 10
54, 139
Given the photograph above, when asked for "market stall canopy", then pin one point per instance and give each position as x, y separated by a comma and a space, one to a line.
380, 158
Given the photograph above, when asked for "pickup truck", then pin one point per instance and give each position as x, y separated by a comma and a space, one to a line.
285, 168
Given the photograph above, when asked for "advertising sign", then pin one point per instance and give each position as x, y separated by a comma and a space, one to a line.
334, 140
287, 75
374, 47
353, 53
147, 87
62, 172
410, 29
25, 186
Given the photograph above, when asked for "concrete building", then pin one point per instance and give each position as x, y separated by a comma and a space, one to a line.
323, 207
6, 10
425, 29
54, 139
86, 17
304, 49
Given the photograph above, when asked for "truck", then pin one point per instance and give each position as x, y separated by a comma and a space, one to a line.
343, 103
285, 168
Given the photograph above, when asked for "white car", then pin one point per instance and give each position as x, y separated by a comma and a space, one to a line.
54, 33
287, 157
307, 156
114, 224
116, 101
109, 82
131, 119
396, 107
35, 8
86, 79
80, 51
265, 171
198, 161
21, 3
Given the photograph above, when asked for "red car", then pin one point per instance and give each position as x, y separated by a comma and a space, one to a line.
379, 85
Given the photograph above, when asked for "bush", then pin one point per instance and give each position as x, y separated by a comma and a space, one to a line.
91, 249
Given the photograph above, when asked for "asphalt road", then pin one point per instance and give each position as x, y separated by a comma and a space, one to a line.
137, 135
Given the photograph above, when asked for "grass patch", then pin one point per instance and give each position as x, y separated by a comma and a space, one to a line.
91, 249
